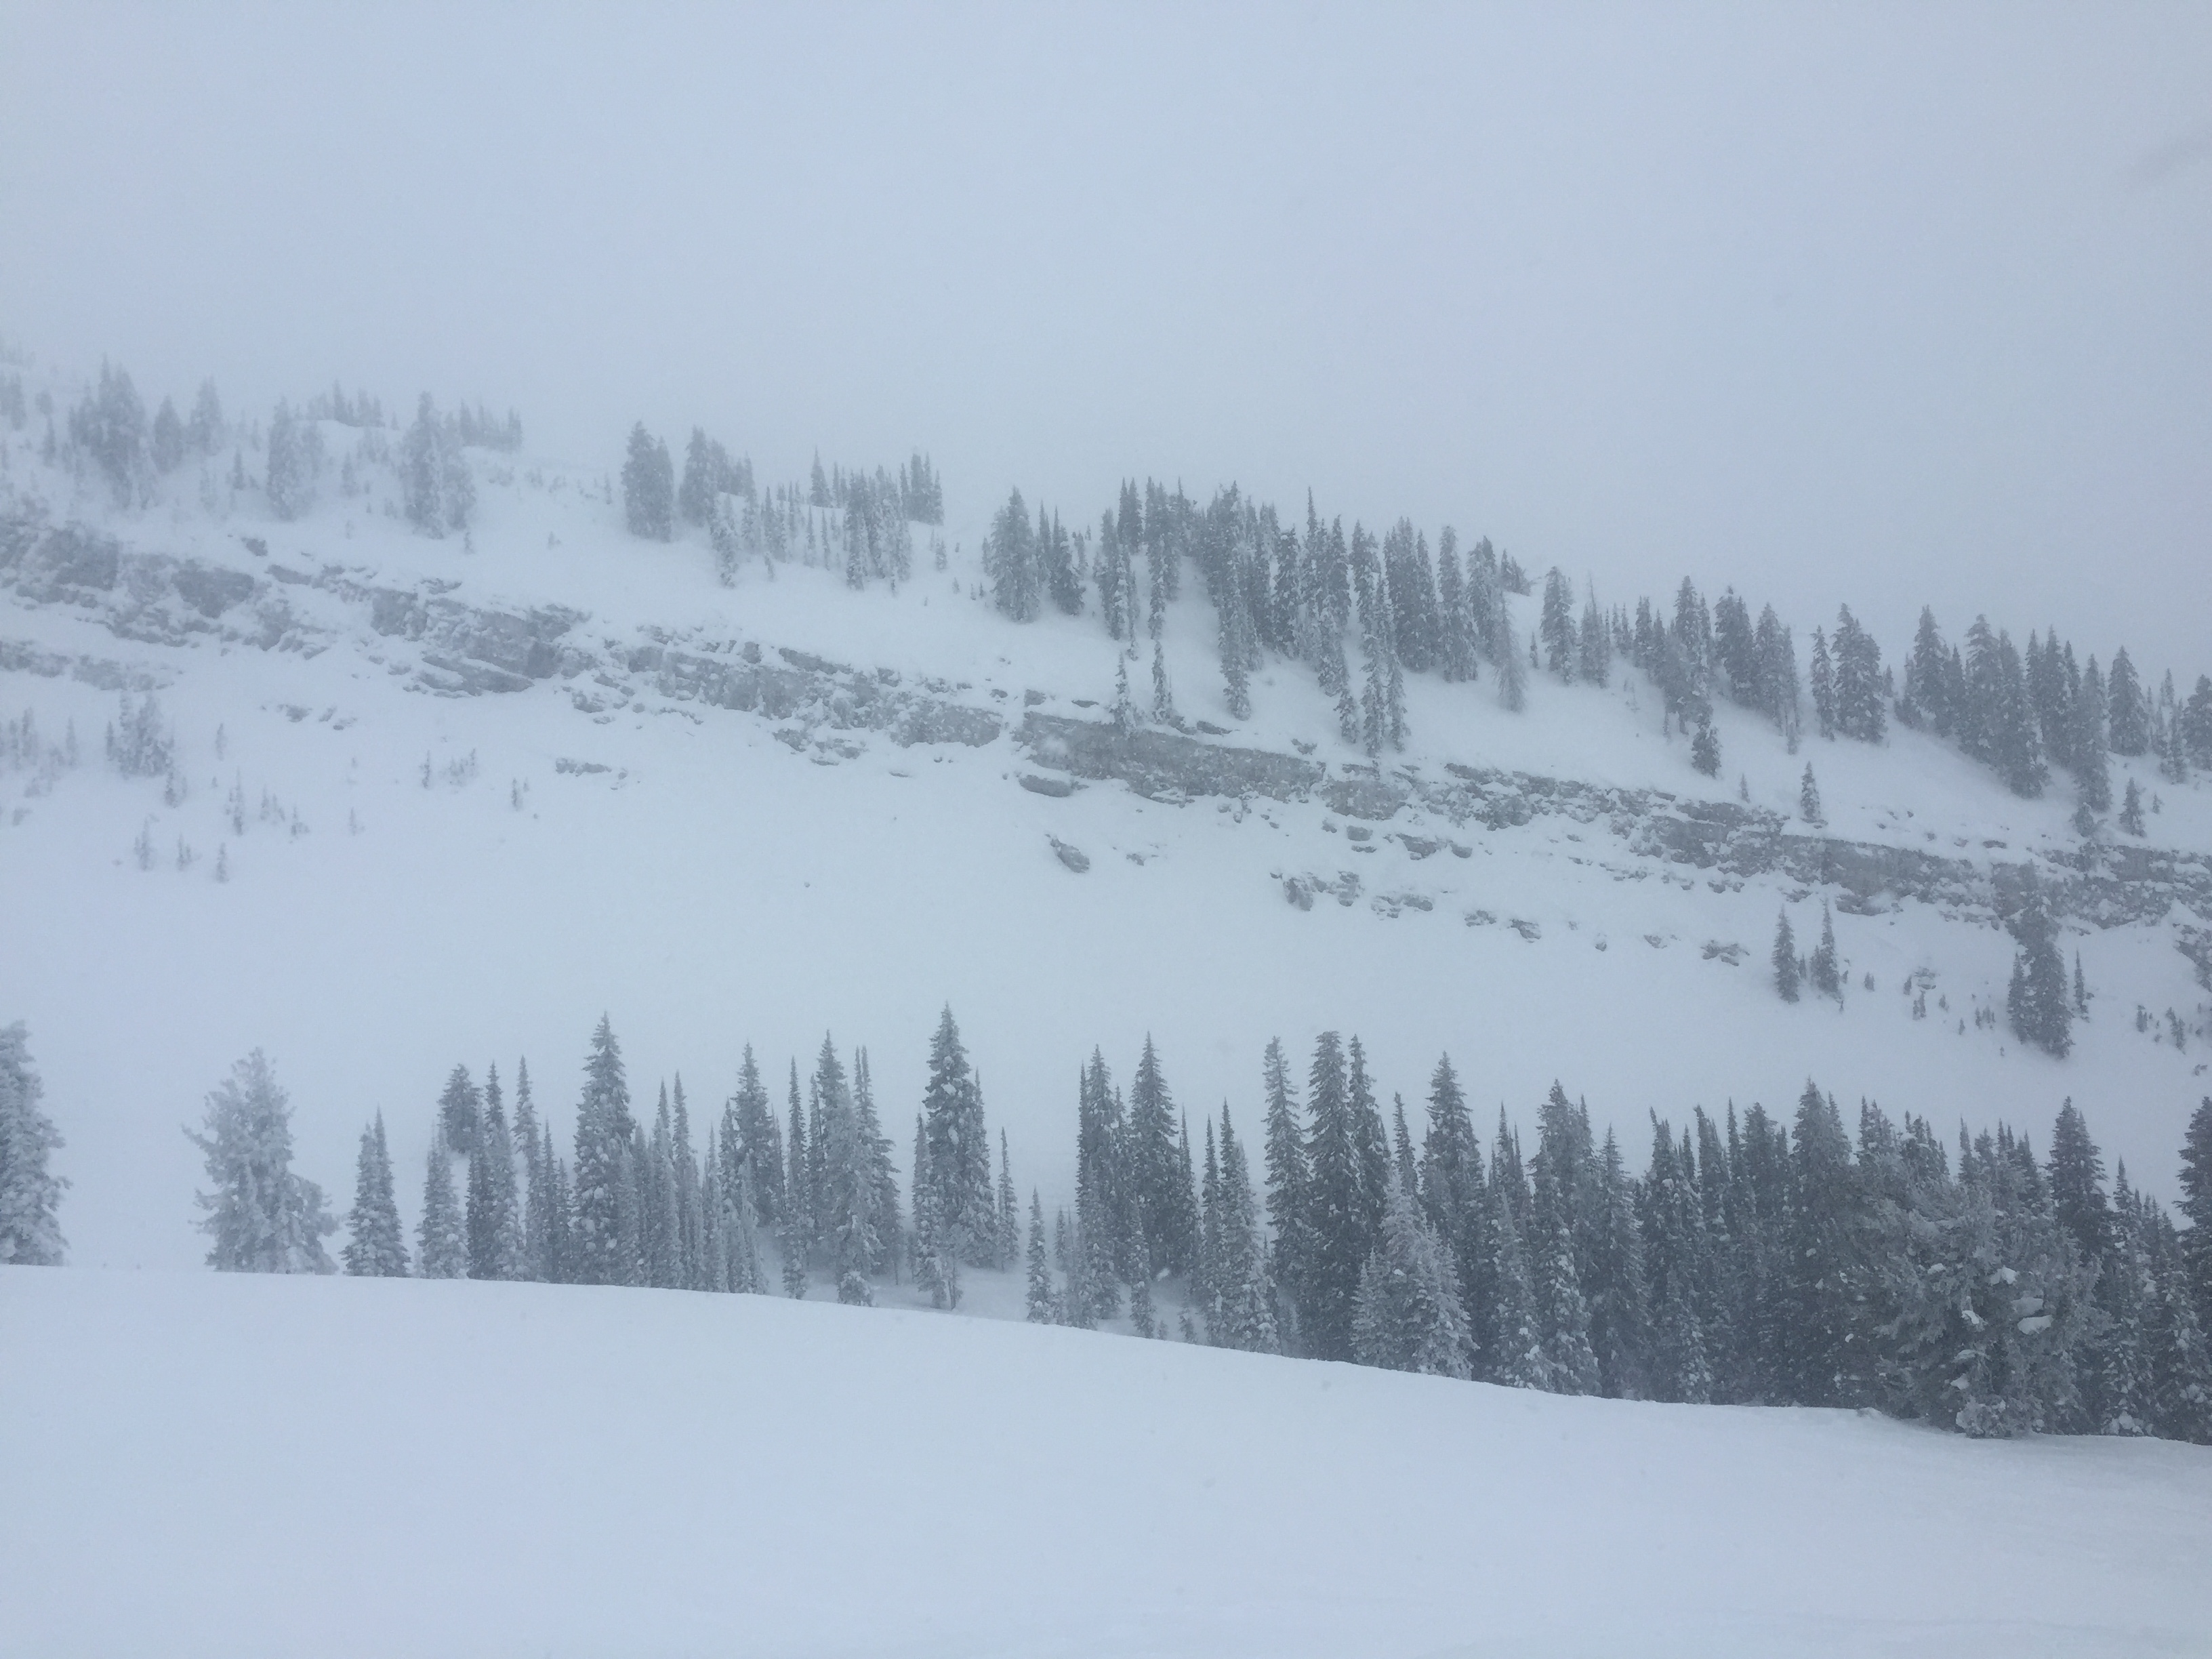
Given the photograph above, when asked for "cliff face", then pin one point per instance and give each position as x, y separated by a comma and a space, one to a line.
457, 649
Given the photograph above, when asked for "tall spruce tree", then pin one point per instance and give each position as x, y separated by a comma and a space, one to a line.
959, 1149
30, 1194
441, 1235
604, 1209
378, 1247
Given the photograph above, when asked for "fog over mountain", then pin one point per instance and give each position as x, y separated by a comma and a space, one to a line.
1890, 305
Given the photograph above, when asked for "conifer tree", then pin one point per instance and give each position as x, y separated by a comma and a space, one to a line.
2086, 740
1241, 1310
1820, 1284
378, 1247
1825, 968
1010, 1236
2197, 1205
1785, 959
935, 1268
1287, 1173
796, 1238
494, 1220
2076, 1173
648, 483
438, 490
1706, 749
1451, 1186
2131, 810
1043, 1305
440, 1237
536, 1219
1562, 1310
1823, 678
261, 1217
1618, 1310
1347, 1190
1408, 1316
2036, 1002
1808, 799
458, 1110
604, 1217
2127, 710
959, 1149
30, 1195
1519, 1359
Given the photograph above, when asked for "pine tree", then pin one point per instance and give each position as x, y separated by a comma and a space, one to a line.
1408, 1316
1823, 677
378, 1248
1808, 799
1241, 1308
1286, 1172
440, 1237
1453, 1198
2076, 1173
2036, 1002
605, 1219
1010, 1236
438, 489
2131, 810
1785, 959
2127, 710
1562, 1309
493, 1213
1011, 562
1819, 1280
2092, 767
2197, 1205
648, 483
1518, 1360
1347, 1191
1617, 1289
30, 1195
1826, 970
959, 1149
458, 1110
262, 1218
1044, 1306
1706, 749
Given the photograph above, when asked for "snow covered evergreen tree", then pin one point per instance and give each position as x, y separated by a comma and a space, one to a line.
649, 486
1408, 1317
1346, 1192
261, 1216
493, 1219
378, 1247
959, 1149
1043, 1304
2036, 1002
441, 1235
604, 1206
30, 1194
438, 490
1785, 957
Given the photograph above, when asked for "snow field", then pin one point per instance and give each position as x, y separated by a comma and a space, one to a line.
215, 1465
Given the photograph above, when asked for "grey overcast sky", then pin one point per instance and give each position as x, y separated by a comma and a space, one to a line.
1877, 304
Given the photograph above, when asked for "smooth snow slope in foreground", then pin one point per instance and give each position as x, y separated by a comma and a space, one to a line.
200, 1464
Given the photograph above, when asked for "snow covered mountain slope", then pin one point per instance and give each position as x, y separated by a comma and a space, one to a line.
208, 1464
446, 800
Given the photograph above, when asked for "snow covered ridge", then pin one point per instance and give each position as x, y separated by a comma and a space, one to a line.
461, 647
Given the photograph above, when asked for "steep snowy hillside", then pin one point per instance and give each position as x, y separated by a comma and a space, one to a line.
248, 1467
449, 800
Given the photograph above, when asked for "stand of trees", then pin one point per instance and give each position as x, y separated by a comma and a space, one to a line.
1967, 1283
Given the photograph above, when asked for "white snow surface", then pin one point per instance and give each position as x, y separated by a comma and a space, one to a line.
713, 887
201, 1464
